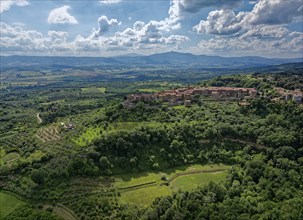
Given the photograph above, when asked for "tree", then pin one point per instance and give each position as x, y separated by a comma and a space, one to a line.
105, 165
39, 176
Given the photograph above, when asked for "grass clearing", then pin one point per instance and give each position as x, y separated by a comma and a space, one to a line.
192, 181
35, 156
180, 107
91, 133
8, 203
2, 154
8, 158
127, 125
150, 90
94, 89
145, 196
143, 188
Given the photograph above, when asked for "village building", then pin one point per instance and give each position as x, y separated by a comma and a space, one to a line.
287, 95
185, 95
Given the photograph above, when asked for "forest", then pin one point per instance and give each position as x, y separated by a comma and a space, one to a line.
70, 150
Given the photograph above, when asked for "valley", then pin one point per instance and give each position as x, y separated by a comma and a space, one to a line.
72, 149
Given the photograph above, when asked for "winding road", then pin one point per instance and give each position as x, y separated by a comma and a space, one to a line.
39, 119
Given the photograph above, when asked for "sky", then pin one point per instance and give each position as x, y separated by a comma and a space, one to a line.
268, 28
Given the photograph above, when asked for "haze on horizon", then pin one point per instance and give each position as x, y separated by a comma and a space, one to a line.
268, 28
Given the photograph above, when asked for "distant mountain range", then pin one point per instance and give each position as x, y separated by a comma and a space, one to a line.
169, 59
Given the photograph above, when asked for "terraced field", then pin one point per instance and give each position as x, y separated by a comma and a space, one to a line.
8, 158
47, 134
143, 188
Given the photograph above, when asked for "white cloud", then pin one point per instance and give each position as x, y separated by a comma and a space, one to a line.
287, 43
257, 32
6, 4
221, 22
265, 32
15, 38
140, 36
275, 12
265, 12
109, 2
104, 24
253, 2
61, 16
179, 7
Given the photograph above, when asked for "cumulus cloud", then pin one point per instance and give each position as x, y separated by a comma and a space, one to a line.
261, 30
265, 12
265, 32
221, 22
6, 4
288, 43
15, 38
109, 2
104, 24
61, 16
275, 12
141, 35
179, 7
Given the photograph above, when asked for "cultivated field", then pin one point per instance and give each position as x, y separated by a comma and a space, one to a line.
143, 188
50, 133
8, 203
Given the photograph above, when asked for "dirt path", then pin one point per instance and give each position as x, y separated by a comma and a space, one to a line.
39, 119
65, 212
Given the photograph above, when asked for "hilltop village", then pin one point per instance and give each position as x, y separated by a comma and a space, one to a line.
295, 95
185, 95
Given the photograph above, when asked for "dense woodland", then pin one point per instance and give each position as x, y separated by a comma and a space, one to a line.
48, 164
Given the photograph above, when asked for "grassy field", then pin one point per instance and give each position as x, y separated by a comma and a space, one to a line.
145, 196
191, 181
150, 90
2, 154
88, 136
35, 156
94, 89
127, 125
180, 107
93, 132
8, 158
8, 203
143, 188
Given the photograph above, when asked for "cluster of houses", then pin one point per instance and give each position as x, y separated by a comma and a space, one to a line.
69, 126
186, 95
295, 95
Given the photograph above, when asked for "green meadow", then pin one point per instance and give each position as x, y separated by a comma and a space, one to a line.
8, 203
93, 132
94, 89
144, 188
